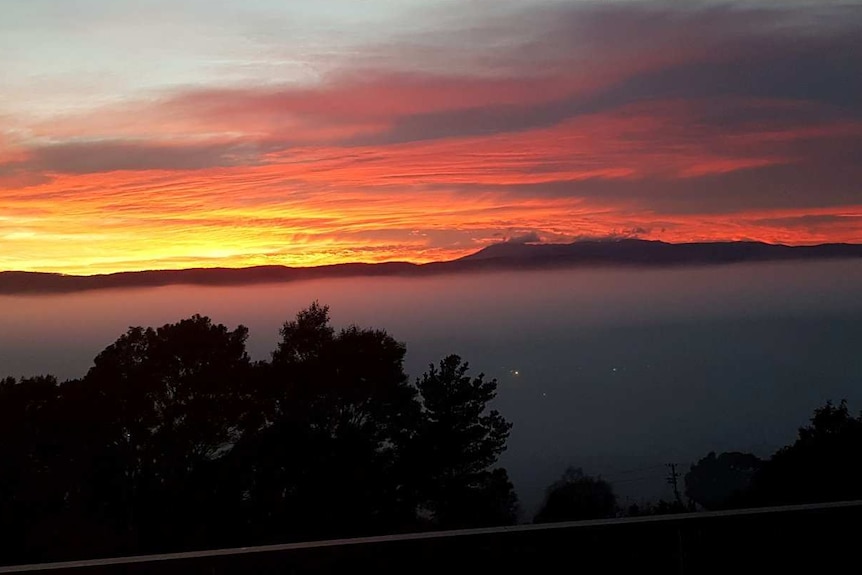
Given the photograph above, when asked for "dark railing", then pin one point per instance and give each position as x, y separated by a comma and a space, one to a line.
820, 538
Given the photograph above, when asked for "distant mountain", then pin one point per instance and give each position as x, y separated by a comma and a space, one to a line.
502, 256
658, 253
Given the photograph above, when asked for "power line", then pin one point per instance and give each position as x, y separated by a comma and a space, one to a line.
672, 479
632, 479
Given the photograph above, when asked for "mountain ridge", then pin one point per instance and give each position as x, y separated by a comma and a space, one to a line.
500, 256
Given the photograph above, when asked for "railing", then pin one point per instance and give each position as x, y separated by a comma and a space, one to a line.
789, 539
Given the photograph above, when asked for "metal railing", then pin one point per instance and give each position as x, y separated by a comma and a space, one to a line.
815, 524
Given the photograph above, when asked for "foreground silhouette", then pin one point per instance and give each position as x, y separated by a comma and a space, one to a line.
823, 464
722, 482
577, 496
176, 440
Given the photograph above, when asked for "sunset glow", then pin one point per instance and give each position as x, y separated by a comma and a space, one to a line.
283, 133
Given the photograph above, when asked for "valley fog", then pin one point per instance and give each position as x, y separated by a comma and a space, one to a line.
615, 370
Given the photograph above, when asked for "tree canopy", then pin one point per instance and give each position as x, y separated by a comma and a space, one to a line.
175, 439
577, 496
457, 443
721, 482
823, 464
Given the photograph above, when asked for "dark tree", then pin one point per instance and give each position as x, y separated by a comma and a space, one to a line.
328, 463
577, 496
823, 464
722, 482
175, 440
164, 405
32, 486
305, 338
456, 447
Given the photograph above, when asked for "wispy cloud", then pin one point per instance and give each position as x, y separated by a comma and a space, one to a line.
565, 120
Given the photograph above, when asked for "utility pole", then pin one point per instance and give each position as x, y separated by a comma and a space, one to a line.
673, 479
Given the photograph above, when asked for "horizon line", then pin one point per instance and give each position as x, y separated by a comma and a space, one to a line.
420, 263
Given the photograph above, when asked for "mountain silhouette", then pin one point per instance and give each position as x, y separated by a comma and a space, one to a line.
646, 252
500, 256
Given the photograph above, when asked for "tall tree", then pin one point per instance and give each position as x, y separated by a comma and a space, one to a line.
165, 405
456, 447
328, 463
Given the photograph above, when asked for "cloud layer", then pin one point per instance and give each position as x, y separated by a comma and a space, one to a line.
564, 121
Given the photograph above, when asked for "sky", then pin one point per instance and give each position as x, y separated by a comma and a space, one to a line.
157, 134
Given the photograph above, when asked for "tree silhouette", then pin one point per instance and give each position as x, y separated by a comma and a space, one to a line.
175, 439
823, 464
577, 496
721, 482
31, 489
342, 409
165, 405
457, 444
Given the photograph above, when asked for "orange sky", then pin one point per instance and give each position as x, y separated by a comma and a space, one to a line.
563, 122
